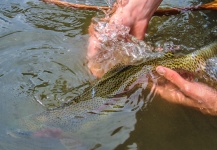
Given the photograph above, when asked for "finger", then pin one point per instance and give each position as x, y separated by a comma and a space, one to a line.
188, 88
93, 47
201, 94
173, 77
177, 97
173, 95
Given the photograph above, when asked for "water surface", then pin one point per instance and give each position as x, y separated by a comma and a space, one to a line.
42, 57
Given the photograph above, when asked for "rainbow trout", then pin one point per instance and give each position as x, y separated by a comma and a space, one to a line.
121, 77
82, 110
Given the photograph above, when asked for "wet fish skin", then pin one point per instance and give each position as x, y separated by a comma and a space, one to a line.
122, 76
115, 81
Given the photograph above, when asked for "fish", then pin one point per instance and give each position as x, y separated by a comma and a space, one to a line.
121, 77
82, 111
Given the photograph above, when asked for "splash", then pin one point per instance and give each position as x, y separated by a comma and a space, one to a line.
110, 3
118, 46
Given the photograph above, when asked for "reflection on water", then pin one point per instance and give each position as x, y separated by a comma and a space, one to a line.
42, 57
200, 26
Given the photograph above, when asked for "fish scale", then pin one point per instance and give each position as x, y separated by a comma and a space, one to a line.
77, 111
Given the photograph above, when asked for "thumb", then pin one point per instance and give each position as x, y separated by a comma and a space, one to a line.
171, 75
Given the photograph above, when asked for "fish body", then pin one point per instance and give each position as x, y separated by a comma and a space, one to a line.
116, 81
120, 77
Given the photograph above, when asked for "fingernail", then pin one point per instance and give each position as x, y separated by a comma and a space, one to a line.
160, 70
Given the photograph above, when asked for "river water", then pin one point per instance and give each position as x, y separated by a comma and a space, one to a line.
42, 57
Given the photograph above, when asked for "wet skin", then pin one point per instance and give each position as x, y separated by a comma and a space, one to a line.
114, 83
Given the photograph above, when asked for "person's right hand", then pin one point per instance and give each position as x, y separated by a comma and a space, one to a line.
184, 92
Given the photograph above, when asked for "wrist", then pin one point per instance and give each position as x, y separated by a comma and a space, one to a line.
136, 15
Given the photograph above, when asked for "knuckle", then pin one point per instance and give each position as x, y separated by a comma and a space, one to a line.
186, 88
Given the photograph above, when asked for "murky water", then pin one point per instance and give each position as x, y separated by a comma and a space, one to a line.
42, 57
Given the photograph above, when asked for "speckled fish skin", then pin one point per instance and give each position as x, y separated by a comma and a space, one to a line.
120, 77
117, 80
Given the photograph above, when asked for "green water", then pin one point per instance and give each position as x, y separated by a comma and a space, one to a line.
42, 56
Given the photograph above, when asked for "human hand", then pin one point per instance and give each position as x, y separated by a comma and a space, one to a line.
134, 14
184, 92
